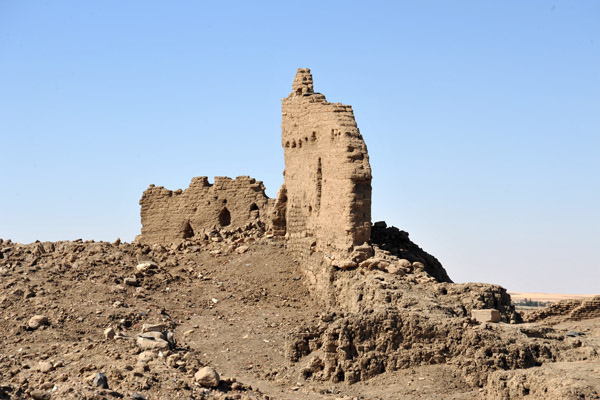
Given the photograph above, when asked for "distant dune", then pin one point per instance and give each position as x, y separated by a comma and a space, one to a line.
552, 297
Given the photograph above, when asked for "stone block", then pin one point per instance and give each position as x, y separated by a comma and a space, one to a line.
486, 315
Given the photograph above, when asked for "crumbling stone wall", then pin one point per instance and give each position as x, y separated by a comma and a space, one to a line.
566, 310
327, 175
169, 215
324, 206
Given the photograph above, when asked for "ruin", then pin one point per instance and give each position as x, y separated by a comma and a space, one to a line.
323, 206
327, 175
348, 299
169, 215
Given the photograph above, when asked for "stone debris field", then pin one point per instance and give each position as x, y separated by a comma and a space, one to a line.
229, 294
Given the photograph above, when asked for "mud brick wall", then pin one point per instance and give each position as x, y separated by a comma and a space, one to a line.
327, 174
169, 215
589, 308
566, 310
323, 207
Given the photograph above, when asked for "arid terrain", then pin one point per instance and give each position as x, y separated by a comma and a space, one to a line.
233, 307
229, 294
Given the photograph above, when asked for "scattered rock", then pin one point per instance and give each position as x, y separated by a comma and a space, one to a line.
146, 266
119, 289
152, 342
242, 249
100, 380
418, 266
380, 224
45, 366
39, 395
153, 328
36, 321
172, 360
146, 356
131, 281
396, 269
207, 377
574, 334
109, 333
346, 264
170, 337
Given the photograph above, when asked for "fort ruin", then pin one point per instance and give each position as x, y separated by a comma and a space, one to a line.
327, 175
168, 216
322, 210
324, 205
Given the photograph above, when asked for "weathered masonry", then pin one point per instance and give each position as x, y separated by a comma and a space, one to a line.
327, 174
168, 216
323, 207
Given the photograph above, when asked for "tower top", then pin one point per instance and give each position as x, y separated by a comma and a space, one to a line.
303, 82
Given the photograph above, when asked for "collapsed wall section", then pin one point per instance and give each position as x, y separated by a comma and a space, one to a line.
566, 310
327, 175
168, 216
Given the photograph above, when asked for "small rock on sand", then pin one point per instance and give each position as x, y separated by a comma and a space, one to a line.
45, 366
242, 249
109, 333
207, 377
36, 321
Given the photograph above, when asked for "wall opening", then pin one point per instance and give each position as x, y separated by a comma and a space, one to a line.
224, 217
187, 231
254, 212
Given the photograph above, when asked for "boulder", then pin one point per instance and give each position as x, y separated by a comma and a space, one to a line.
148, 341
36, 321
45, 366
153, 328
242, 249
207, 377
109, 333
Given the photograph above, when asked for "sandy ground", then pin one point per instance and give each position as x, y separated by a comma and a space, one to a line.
232, 312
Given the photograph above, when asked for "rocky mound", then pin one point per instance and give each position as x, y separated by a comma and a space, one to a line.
576, 380
94, 320
393, 241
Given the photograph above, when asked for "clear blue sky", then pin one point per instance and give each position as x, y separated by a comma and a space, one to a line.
482, 118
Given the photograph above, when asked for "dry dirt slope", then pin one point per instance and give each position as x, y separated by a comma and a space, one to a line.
232, 308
